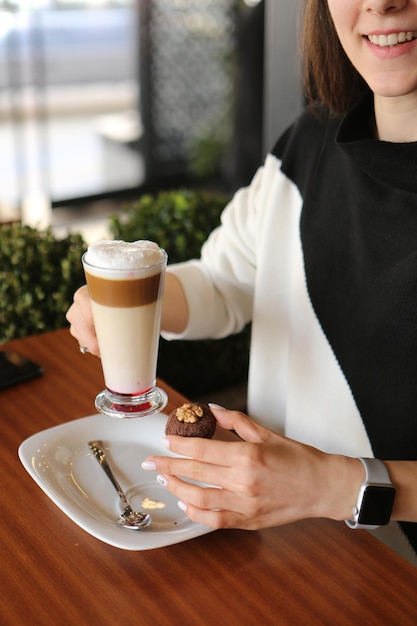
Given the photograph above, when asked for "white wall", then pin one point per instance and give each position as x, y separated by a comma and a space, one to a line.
283, 96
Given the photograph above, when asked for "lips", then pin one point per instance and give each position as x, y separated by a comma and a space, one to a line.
393, 39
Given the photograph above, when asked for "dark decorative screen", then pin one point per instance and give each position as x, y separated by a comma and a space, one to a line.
187, 61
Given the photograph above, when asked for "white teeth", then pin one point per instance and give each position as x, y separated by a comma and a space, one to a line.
392, 39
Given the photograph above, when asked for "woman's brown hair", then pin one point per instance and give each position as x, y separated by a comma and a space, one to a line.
329, 76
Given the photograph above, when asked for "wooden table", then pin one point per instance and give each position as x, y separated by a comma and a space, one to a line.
53, 572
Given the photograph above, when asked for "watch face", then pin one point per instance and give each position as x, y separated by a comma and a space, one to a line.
376, 506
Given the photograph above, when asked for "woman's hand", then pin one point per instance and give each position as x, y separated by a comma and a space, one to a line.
80, 318
264, 480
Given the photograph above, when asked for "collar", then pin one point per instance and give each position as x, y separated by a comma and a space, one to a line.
394, 164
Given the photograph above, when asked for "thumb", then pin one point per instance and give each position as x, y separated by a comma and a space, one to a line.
244, 426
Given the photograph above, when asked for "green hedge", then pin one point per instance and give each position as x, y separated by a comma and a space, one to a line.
38, 276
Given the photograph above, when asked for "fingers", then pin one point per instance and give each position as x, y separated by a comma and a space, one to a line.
221, 463
225, 454
244, 426
201, 460
210, 498
81, 321
215, 519
213, 507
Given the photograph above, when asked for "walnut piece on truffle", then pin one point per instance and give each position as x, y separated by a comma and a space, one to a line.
189, 413
191, 420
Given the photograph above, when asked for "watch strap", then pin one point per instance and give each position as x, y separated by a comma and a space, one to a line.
376, 474
375, 471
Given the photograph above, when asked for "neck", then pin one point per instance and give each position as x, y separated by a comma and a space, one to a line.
396, 118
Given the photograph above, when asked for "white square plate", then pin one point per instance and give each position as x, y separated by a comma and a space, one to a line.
61, 463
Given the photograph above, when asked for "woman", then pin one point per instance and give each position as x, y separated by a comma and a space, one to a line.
320, 252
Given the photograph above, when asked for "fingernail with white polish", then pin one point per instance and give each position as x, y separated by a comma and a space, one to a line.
149, 465
162, 480
165, 442
212, 405
182, 506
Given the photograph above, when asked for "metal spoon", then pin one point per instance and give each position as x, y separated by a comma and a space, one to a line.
133, 520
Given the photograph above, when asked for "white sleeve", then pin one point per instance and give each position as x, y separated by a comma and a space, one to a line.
219, 286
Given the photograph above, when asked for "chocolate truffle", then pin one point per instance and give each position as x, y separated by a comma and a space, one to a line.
191, 420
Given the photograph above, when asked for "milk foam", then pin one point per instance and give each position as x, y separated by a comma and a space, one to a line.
122, 255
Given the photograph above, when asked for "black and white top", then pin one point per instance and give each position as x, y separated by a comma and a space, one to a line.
320, 252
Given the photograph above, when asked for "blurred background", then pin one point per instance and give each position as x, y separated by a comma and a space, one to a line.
133, 119
104, 99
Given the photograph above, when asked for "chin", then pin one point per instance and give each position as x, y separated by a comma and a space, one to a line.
393, 87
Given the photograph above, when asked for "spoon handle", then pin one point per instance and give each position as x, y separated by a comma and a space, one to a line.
98, 450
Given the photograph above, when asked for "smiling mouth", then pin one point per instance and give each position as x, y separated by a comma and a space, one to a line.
393, 39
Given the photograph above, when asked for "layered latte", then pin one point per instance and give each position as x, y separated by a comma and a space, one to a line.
125, 283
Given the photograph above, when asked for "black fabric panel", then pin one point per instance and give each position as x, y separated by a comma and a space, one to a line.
359, 238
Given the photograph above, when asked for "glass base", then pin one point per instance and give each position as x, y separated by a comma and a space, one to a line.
126, 406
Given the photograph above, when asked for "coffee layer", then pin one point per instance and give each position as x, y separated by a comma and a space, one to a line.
124, 293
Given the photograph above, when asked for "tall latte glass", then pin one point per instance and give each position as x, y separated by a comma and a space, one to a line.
125, 283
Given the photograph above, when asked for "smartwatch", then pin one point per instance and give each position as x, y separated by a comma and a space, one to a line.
375, 499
